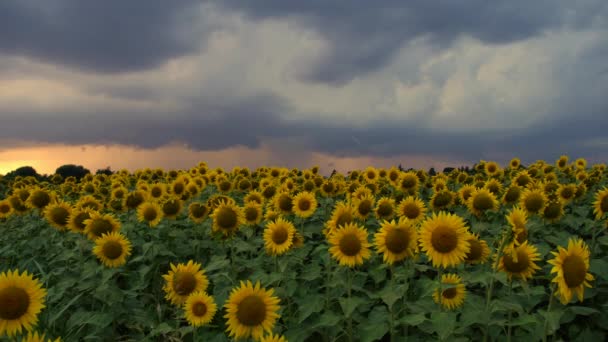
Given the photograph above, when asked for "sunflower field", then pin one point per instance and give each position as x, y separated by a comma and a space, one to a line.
496, 253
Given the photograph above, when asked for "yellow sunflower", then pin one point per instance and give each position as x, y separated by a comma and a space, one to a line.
99, 224
533, 201
278, 236
567, 192
396, 240
273, 338
452, 293
492, 169
283, 203
150, 213
363, 206
21, 300
385, 208
562, 162
200, 308
349, 245
478, 252
370, 174
512, 194
171, 206
442, 200
360, 192
515, 163
183, 280
518, 219
600, 206
57, 214
252, 212
35, 337
581, 163
198, 212
554, 211
254, 196
251, 311
227, 219
304, 204
480, 201
39, 198
342, 214
77, 218
518, 261
571, 267
5, 209
465, 192
112, 249
444, 238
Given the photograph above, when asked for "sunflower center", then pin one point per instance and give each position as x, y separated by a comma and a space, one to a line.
385, 209
512, 195
444, 239
184, 283
397, 240
328, 187
523, 180
60, 216
226, 218
534, 202
449, 293
178, 188
364, 207
251, 311
475, 250
442, 199
408, 182
350, 245
156, 192
574, 270
199, 309
482, 202
134, 199
150, 214
567, 193
79, 220
40, 199
304, 204
523, 262
112, 250
4, 208
100, 227
14, 302
553, 210
225, 185
279, 235
285, 203
269, 191
251, 214
604, 204
198, 210
171, 207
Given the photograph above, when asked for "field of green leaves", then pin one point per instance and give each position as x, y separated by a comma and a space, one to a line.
496, 253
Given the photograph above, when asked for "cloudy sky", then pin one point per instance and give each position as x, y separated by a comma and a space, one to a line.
340, 84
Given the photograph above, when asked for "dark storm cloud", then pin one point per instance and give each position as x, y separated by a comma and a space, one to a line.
100, 36
365, 35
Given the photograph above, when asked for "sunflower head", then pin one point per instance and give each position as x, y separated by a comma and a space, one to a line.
396, 240
478, 252
554, 211
304, 204
412, 208
385, 208
278, 236
283, 202
342, 214
442, 200
444, 238
480, 201
251, 311
5, 209
227, 219
183, 280
39, 198
571, 268
600, 205
171, 206
198, 212
349, 245
112, 249
150, 213
21, 300
200, 308
519, 261
58, 214
252, 212
99, 224
515, 163
451, 293
533, 201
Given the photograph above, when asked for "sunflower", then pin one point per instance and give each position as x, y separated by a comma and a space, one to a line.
278, 236
363, 206
571, 267
444, 238
200, 308
227, 219
478, 252
581, 163
183, 280
198, 212
35, 337
328, 188
533, 201
453, 295
21, 300
150, 213
283, 202
57, 214
273, 338
515, 163
385, 208
518, 219
442, 200
562, 162
465, 192
554, 211
492, 169
512, 195
5, 209
157, 190
99, 224
370, 174
396, 240
522, 178
251, 311
480, 201
112, 249
215, 200
171, 206
39, 198
494, 186
361, 192
304, 204
349, 245
254, 196
518, 261
600, 206
342, 214
252, 212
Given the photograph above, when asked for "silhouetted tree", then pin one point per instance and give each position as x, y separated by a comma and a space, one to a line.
107, 171
23, 171
448, 169
432, 171
68, 170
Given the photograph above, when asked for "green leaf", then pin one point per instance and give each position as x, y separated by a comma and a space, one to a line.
376, 325
390, 295
582, 310
72, 301
309, 305
311, 272
501, 305
444, 324
161, 329
350, 304
553, 318
328, 319
413, 319
217, 262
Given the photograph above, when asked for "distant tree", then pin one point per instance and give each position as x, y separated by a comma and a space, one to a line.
432, 171
400, 167
107, 171
23, 171
68, 170
448, 169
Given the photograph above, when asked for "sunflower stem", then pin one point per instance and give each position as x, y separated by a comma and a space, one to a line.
549, 307
350, 317
509, 327
391, 307
490, 289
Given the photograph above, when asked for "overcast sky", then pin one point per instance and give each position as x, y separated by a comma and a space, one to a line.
341, 83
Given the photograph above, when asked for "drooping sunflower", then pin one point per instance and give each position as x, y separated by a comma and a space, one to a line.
112, 249
444, 238
304, 204
200, 308
251, 311
57, 214
442, 200
480, 201
533, 201
150, 212
198, 212
554, 211
519, 261
278, 236
349, 245
518, 219
571, 267
182, 280
99, 224
600, 205
396, 240
227, 219
273, 338
478, 251
452, 293
252, 212
22, 298
342, 214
